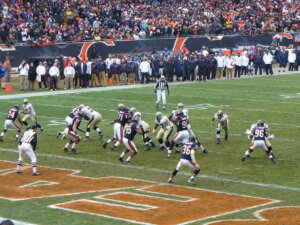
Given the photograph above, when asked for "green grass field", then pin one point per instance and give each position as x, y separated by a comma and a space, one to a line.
276, 100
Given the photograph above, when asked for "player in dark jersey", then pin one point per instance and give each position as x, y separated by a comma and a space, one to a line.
130, 131
259, 134
119, 124
72, 131
182, 134
12, 115
187, 159
69, 120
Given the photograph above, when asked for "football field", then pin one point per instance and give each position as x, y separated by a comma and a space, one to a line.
93, 187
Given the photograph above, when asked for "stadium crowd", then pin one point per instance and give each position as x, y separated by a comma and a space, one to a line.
121, 70
43, 22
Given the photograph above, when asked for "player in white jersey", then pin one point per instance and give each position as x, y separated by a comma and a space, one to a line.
29, 114
28, 146
69, 120
223, 123
165, 130
94, 118
145, 128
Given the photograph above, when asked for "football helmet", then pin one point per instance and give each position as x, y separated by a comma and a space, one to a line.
81, 106
192, 139
260, 123
180, 107
16, 106
25, 101
120, 106
158, 115
80, 114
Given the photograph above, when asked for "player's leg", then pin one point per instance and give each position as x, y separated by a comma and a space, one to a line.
176, 138
73, 147
119, 133
18, 128
268, 150
114, 137
164, 100
159, 138
5, 129
34, 120
21, 158
167, 134
147, 140
97, 120
125, 151
249, 150
24, 120
173, 174
32, 157
88, 128
218, 134
196, 169
157, 98
133, 150
226, 129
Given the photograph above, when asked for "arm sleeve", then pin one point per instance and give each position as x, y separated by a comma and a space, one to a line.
34, 142
193, 156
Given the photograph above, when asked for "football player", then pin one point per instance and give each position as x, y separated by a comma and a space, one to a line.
27, 146
72, 131
130, 131
223, 123
12, 115
182, 134
94, 118
119, 124
259, 134
188, 159
166, 129
29, 114
69, 120
145, 128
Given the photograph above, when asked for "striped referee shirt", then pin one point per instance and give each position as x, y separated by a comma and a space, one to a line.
162, 85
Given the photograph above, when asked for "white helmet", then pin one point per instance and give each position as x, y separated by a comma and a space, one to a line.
220, 112
158, 115
25, 101
81, 106
120, 106
137, 114
132, 110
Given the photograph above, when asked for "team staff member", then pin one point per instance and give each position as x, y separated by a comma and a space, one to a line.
27, 146
160, 90
54, 73
29, 114
69, 72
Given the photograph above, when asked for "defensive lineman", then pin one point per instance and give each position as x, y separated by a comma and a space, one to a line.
12, 115
259, 134
223, 123
160, 90
28, 146
187, 159
29, 114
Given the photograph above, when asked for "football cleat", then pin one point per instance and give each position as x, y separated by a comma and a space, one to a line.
162, 147
168, 155
205, 151
121, 159
16, 139
170, 181
58, 134
18, 172
42, 129
244, 158
177, 151
218, 141
1, 138
152, 144
114, 148
73, 150
36, 174
191, 181
128, 162
86, 139
147, 147
65, 149
226, 137
273, 160
104, 145
101, 135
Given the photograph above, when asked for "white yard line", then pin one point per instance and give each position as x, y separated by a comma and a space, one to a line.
273, 186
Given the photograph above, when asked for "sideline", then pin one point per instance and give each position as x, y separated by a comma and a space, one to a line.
274, 186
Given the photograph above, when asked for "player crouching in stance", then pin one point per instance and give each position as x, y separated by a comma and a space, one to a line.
72, 131
188, 159
119, 124
130, 131
28, 146
259, 135
94, 118
223, 123
166, 128
12, 115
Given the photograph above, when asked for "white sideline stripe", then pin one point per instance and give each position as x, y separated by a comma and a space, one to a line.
274, 186
16, 222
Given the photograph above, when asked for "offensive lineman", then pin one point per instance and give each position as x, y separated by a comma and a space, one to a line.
166, 129
29, 114
223, 123
188, 159
160, 90
28, 146
12, 115
93, 117
119, 124
259, 134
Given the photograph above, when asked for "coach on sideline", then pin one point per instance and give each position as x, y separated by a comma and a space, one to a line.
160, 90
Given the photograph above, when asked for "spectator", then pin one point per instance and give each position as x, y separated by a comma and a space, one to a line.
54, 74
7, 65
268, 58
23, 69
2, 74
31, 76
41, 75
145, 70
292, 60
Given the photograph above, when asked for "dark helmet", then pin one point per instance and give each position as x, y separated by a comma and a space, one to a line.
16, 106
34, 127
192, 139
260, 123
80, 114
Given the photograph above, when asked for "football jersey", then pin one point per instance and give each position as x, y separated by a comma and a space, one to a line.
88, 113
222, 119
122, 117
74, 112
259, 133
76, 121
29, 106
164, 122
182, 123
187, 149
130, 131
255, 125
12, 114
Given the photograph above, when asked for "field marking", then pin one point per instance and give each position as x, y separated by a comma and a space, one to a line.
274, 186
256, 214
16, 222
297, 95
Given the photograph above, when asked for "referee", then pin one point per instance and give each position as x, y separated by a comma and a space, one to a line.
160, 90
